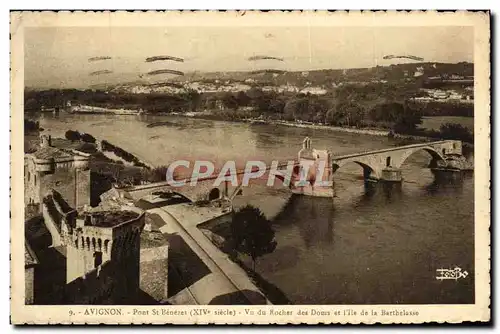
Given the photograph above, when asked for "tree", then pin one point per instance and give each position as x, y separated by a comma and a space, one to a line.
252, 233
242, 99
296, 108
258, 99
346, 114
72, 135
456, 131
386, 112
346, 93
88, 138
407, 121
230, 101
276, 105
192, 99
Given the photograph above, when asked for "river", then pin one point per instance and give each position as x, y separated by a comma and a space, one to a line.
367, 246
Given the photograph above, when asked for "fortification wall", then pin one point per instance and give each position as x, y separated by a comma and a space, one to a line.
154, 272
108, 284
31, 193
63, 181
29, 276
82, 179
99, 286
52, 220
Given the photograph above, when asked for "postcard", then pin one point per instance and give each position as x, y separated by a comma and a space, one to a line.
250, 167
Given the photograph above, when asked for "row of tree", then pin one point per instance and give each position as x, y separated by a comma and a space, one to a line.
451, 131
77, 136
118, 151
376, 105
184, 101
269, 102
403, 117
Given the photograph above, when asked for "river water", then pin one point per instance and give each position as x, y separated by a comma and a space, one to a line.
373, 245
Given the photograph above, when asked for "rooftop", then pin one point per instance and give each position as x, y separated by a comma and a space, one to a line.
57, 148
109, 218
52, 152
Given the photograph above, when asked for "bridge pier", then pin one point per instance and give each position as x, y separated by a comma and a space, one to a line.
382, 166
452, 167
391, 174
447, 174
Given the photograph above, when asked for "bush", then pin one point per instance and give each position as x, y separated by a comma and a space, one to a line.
88, 138
31, 126
407, 121
107, 146
456, 131
72, 135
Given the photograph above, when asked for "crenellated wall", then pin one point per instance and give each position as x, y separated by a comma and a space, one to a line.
89, 246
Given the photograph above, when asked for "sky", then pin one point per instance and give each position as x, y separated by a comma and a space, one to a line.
59, 57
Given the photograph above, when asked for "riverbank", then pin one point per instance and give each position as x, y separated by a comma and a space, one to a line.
258, 121
208, 115
106, 146
371, 132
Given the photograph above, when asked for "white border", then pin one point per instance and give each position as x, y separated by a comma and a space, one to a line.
478, 4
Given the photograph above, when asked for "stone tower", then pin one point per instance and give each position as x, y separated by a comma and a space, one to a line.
103, 254
102, 237
63, 170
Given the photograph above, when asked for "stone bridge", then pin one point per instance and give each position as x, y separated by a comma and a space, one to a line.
204, 190
383, 165
379, 165
386, 164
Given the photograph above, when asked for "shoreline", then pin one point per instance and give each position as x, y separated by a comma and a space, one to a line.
140, 160
364, 131
257, 121
370, 132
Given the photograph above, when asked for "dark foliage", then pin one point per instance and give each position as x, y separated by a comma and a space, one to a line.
31, 126
72, 135
88, 138
156, 174
107, 146
456, 131
252, 233
444, 109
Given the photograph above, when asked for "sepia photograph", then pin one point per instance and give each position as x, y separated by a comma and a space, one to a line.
181, 164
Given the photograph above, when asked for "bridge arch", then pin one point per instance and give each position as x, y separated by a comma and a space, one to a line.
368, 170
214, 194
435, 155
